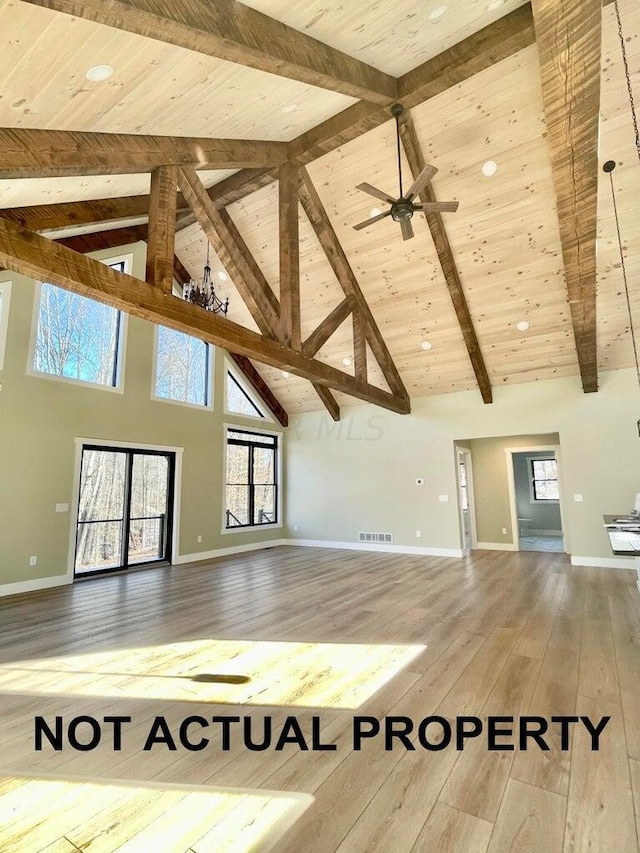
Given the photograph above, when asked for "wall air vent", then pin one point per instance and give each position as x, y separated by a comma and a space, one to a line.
375, 537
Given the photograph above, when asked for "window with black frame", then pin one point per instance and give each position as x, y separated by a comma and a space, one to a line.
252, 479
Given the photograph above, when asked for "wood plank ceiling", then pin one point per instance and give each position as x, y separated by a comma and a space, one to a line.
506, 241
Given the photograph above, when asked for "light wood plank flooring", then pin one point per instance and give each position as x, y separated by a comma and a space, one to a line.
328, 635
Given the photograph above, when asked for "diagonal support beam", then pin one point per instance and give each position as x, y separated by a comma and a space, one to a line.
162, 227
30, 254
359, 346
568, 35
321, 334
445, 255
234, 32
54, 153
236, 257
253, 288
323, 228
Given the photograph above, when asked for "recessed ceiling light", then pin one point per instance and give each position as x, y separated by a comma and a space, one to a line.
425, 345
489, 168
99, 73
522, 326
437, 13
375, 211
289, 108
285, 374
494, 4
346, 362
222, 275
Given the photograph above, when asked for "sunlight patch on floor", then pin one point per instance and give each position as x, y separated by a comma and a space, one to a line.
69, 815
239, 672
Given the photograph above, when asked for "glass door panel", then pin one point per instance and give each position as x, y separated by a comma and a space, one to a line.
101, 511
148, 508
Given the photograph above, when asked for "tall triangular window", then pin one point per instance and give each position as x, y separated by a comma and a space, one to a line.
239, 401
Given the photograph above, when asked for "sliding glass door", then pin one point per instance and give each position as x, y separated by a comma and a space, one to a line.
124, 509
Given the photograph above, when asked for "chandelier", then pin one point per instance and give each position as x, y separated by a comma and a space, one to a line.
202, 292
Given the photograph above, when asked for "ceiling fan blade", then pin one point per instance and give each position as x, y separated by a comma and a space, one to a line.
421, 181
437, 206
370, 220
367, 188
406, 228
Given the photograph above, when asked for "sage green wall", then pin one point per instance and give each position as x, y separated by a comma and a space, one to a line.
360, 474
491, 486
40, 418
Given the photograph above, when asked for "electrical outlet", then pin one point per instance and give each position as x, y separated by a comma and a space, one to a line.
33, 561
62, 507
295, 528
504, 531
199, 539
577, 499
443, 498
418, 534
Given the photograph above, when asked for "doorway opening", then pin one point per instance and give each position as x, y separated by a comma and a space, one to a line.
125, 509
465, 500
535, 498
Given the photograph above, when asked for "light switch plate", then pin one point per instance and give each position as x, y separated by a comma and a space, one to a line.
62, 507
577, 499
443, 498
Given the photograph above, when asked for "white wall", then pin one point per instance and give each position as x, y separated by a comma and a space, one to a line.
360, 474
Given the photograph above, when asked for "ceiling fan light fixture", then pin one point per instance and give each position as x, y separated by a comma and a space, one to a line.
489, 168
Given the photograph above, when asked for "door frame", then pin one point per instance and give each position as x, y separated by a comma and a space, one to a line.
464, 454
122, 445
513, 506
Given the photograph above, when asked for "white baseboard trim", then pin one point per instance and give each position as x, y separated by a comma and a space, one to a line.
33, 585
370, 546
605, 562
496, 546
226, 552
534, 531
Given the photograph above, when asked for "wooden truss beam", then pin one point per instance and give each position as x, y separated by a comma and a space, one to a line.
162, 227
230, 30
490, 45
568, 35
323, 228
289, 255
53, 153
30, 254
240, 263
321, 334
435, 222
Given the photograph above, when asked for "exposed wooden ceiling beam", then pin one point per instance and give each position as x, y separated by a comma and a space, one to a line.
321, 334
162, 227
289, 255
111, 239
359, 346
328, 239
568, 35
261, 388
435, 222
53, 153
495, 42
247, 276
249, 282
30, 254
235, 32
329, 401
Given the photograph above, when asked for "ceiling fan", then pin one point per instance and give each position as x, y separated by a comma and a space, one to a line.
403, 208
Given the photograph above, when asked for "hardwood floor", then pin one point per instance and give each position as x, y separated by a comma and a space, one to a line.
322, 636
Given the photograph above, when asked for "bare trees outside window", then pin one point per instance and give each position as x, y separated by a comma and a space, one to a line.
182, 368
252, 482
77, 337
